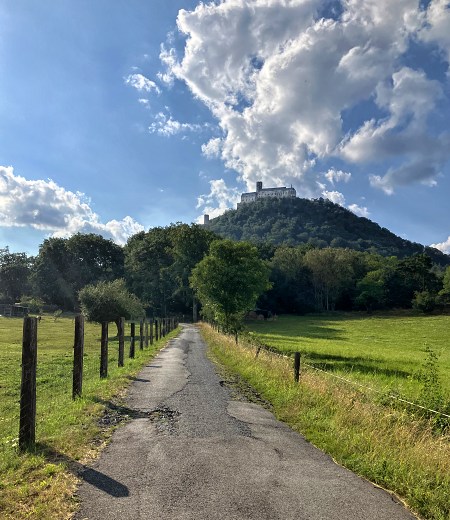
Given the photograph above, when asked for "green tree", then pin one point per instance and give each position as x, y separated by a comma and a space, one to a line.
64, 266
15, 270
147, 258
229, 280
109, 301
189, 245
332, 272
292, 290
371, 291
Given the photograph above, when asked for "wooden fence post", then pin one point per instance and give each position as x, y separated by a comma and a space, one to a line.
78, 352
297, 366
132, 334
160, 327
146, 332
156, 329
151, 331
104, 351
27, 425
120, 360
141, 334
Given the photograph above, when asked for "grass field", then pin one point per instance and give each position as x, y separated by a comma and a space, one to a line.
387, 352
40, 485
397, 449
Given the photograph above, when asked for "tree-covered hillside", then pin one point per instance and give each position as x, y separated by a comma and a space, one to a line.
317, 222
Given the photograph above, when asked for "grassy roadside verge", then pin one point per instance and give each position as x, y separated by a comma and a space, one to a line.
384, 445
40, 485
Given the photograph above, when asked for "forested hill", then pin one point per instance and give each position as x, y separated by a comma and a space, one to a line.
319, 222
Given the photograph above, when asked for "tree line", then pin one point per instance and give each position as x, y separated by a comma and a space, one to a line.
169, 269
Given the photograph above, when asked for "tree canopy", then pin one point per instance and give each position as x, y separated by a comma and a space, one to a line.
64, 266
109, 301
319, 223
229, 280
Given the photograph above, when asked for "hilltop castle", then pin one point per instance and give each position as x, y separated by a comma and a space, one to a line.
262, 193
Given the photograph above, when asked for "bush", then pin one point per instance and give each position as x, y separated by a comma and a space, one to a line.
109, 301
424, 301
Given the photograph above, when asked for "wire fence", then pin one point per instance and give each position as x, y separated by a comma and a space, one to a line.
254, 343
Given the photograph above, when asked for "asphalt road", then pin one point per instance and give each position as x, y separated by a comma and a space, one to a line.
192, 452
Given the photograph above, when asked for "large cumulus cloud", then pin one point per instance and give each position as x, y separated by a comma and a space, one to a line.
279, 76
45, 206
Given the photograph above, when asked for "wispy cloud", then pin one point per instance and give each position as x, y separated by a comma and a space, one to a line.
43, 205
165, 125
141, 83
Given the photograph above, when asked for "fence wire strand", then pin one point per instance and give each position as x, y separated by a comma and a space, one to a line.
390, 396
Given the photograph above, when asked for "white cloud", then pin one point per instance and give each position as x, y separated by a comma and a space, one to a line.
167, 126
436, 26
279, 79
338, 198
48, 207
169, 58
141, 83
335, 196
334, 176
212, 148
218, 200
443, 246
361, 211
409, 99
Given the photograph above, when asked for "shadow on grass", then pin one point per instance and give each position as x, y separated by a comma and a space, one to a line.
90, 475
331, 363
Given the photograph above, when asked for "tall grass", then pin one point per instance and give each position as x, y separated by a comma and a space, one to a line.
40, 484
382, 444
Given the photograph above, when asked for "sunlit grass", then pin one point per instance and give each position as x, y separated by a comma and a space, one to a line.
384, 351
40, 485
387, 445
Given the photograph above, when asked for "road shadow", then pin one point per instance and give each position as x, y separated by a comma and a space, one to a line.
119, 412
87, 474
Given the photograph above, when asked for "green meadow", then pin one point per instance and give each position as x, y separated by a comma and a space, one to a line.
40, 484
397, 446
387, 352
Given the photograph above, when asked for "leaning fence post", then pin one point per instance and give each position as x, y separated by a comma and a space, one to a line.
104, 351
78, 352
27, 425
297, 366
120, 360
132, 334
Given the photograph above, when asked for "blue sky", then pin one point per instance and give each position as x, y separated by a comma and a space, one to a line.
120, 116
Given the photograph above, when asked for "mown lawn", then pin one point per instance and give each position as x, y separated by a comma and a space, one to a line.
385, 351
40, 484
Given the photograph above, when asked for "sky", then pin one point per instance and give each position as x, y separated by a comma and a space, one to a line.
119, 116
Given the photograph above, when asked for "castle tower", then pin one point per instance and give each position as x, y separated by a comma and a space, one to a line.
258, 186
205, 220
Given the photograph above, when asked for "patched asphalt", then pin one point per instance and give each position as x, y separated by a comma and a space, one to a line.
192, 451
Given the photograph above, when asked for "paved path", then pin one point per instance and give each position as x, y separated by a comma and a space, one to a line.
192, 452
